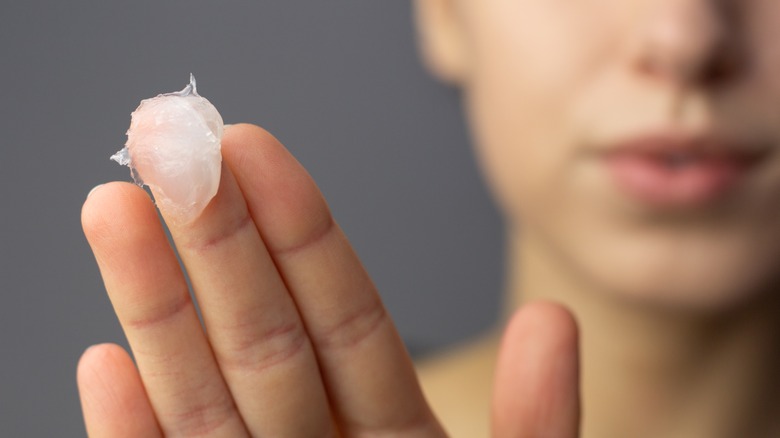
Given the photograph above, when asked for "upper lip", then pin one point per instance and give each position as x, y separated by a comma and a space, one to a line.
704, 145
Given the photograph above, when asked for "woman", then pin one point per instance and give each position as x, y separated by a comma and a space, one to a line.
633, 148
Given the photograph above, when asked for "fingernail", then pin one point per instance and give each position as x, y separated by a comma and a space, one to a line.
93, 190
226, 126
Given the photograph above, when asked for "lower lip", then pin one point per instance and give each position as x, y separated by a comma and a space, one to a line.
651, 181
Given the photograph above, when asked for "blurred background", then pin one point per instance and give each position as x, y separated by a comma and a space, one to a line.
338, 82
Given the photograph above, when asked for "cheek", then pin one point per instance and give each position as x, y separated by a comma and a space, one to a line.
532, 61
762, 37
521, 155
519, 101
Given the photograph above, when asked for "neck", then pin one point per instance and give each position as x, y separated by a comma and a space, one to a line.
650, 371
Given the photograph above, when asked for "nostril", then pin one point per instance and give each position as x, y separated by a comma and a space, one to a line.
718, 69
671, 67
726, 65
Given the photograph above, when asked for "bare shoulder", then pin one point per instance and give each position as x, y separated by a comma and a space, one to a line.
458, 384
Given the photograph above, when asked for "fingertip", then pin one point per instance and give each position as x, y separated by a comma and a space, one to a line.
97, 187
96, 360
283, 198
242, 133
537, 376
105, 200
248, 147
93, 375
113, 206
98, 352
552, 319
112, 393
126, 236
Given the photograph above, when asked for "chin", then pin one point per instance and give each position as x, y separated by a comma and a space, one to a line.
712, 276
697, 295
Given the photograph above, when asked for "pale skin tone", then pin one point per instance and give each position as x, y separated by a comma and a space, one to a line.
298, 343
675, 312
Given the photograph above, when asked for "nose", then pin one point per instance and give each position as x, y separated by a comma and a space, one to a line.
689, 42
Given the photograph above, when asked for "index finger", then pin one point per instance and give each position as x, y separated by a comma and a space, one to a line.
366, 368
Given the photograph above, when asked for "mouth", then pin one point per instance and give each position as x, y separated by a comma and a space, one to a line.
672, 171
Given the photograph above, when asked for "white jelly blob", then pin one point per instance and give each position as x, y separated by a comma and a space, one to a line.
173, 146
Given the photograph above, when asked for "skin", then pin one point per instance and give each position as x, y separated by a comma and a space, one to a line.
677, 307
293, 322
675, 311
549, 87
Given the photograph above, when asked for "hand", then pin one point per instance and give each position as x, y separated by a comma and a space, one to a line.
296, 340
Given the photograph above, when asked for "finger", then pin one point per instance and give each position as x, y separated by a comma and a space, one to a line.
252, 323
367, 371
536, 390
151, 300
111, 392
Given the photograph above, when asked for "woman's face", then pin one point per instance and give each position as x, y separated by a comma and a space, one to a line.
639, 138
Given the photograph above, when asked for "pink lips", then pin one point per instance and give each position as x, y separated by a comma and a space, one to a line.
674, 172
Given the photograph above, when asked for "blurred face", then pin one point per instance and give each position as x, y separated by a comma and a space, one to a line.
639, 139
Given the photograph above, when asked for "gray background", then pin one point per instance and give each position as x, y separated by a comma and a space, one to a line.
337, 81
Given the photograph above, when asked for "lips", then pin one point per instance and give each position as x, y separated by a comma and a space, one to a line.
668, 171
